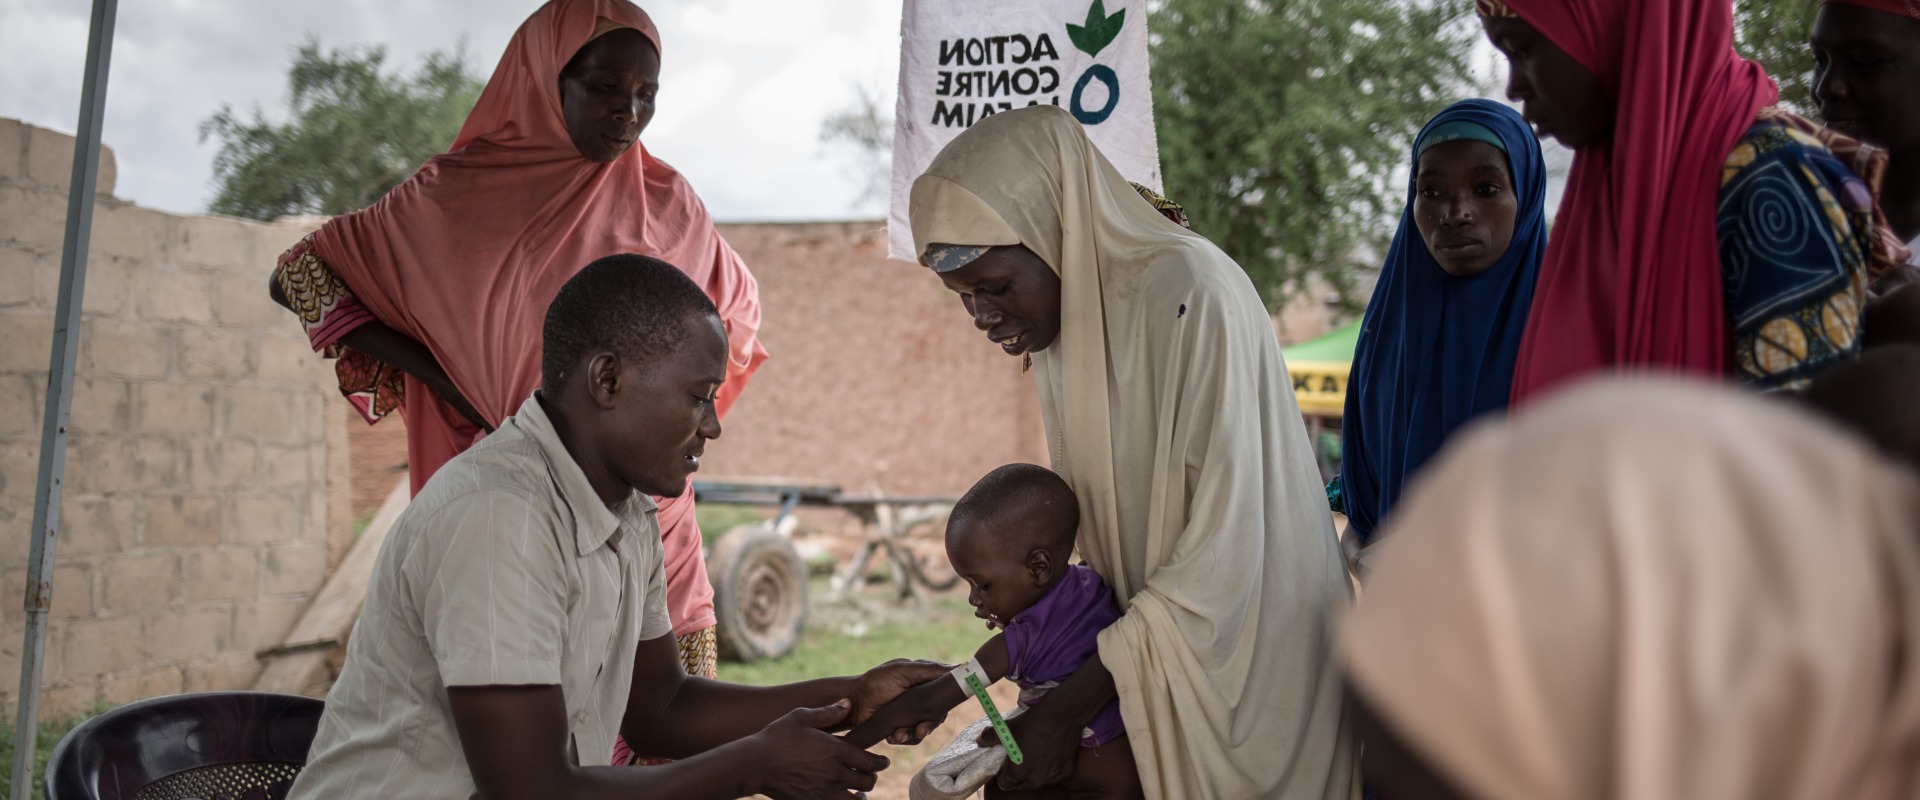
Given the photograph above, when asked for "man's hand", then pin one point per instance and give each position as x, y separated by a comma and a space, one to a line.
801, 761
880, 685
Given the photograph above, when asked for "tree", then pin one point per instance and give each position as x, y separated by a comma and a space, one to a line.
353, 132
1284, 125
864, 131
1774, 33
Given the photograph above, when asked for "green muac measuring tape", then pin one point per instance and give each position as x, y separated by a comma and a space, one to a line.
973, 680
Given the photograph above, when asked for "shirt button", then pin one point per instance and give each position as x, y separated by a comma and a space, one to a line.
582, 717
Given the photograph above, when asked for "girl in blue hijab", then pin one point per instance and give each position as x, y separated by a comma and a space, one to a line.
1438, 341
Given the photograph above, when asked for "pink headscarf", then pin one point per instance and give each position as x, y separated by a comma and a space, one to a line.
1632, 272
466, 255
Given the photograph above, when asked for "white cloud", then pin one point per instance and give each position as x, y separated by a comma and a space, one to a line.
745, 82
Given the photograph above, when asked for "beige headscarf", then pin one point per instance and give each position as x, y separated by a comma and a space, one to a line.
1652, 590
1170, 413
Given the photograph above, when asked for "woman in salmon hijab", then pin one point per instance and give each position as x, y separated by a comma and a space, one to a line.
432, 299
1701, 231
1646, 589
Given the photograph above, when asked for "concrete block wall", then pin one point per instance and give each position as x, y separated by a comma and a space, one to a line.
196, 522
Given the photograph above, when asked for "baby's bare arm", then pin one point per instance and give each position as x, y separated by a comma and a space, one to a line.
928, 702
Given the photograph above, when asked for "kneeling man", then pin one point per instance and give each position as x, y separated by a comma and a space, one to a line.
516, 620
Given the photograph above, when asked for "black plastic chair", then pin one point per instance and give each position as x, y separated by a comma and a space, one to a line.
205, 746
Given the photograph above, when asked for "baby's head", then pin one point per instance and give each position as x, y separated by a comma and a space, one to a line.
1010, 538
1874, 395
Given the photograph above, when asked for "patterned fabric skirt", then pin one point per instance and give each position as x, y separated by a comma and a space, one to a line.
700, 655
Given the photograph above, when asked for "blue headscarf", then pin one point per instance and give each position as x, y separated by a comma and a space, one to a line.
1436, 350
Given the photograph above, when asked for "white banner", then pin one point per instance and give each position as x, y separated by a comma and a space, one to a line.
962, 61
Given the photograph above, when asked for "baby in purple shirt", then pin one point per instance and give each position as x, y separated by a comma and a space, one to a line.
1010, 538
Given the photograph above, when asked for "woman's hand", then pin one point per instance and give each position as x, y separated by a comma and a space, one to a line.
383, 343
1049, 744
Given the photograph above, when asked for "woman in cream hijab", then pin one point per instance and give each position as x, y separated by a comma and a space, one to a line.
1170, 413
1647, 590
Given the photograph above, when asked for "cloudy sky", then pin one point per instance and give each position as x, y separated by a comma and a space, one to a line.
745, 83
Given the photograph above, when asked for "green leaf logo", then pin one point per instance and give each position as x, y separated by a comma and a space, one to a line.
1099, 31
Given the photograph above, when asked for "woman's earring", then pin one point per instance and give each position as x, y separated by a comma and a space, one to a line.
1026, 362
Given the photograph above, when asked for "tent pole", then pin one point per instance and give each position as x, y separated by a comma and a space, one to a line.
53, 437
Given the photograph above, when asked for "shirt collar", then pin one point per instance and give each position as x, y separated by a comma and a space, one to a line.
594, 524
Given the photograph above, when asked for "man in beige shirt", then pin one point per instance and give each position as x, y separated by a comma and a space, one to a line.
516, 620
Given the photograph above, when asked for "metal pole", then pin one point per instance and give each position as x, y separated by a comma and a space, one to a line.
53, 436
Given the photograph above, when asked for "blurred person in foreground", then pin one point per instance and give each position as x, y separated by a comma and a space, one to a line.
431, 299
1644, 589
516, 620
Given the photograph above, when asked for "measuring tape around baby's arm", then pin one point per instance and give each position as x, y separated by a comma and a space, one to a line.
973, 680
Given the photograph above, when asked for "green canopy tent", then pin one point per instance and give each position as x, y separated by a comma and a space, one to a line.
1319, 367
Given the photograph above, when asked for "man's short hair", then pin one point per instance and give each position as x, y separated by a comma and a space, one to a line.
633, 305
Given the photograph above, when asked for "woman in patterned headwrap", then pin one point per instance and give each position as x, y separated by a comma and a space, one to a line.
1701, 231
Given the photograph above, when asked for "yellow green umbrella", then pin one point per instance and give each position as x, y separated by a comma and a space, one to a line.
1319, 367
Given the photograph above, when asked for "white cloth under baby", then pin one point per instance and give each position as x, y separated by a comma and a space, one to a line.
962, 767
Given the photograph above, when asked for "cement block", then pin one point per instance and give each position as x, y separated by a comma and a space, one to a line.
93, 525
35, 218
20, 468
170, 295
257, 412
26, 282
214, 465
222, 575
241, 300
289, 359
215, 354
262, 518
265, 623
49, 161
100, 646
175, 408
175, 520
22, 397
189, 636
13, 150
135, 583
102, 406
289, 467
126, 349
109, 287
72, 593
225, 671
142, 685
217, 242
69, 700
124, 230
296, 568
29, 341
116, 464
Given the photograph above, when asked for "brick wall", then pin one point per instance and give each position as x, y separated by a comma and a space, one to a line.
877, 378
196, 519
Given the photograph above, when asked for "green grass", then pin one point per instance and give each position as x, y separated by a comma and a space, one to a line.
837, 642
48, 736
717, 518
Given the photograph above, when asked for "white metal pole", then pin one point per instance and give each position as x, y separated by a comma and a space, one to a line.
53, 437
